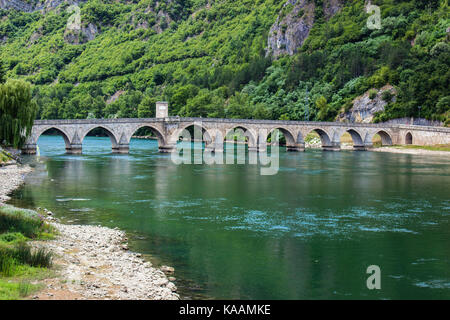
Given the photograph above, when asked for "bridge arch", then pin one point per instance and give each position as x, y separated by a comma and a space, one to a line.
251, 139
409, 138
356, 136
153, 129
386, 139
288, 135
109, 132
206, 137
323, 135
61, 132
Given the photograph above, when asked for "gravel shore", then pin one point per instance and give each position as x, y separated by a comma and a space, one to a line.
96, 264
11, 177
93, 262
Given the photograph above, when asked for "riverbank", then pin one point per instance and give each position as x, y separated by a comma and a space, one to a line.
95, 263
91, 262
413, 150
11, 177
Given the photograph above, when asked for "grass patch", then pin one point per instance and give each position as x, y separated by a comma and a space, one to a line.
22, 254
5, 156
19, 262
23, 282
12, 237
28, 222
439, 147
13, 290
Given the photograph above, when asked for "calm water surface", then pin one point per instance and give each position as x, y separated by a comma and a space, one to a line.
308, 232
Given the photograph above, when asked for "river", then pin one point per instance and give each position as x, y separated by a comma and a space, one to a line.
308, 232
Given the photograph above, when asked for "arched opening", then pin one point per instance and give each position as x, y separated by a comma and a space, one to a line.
193, 136
351, 139
190, 142
381, 138
409, 138
146, 138
239, 136
52, 141
281, 137
317, 138
99, 140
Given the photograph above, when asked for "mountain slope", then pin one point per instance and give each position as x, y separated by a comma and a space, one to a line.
250, 58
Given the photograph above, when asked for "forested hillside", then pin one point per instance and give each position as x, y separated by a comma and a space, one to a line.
269, 59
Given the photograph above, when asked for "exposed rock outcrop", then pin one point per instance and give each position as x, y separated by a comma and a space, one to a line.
35, 37
294, 23
115, 96
331, 7
291, 28
16, 5
365, 106
36, 5
85, 34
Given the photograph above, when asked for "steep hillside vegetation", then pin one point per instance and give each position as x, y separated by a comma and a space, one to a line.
272, 59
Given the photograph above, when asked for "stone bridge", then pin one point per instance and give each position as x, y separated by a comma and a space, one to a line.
169, 129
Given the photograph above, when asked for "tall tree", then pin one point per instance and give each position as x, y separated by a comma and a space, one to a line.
17, 112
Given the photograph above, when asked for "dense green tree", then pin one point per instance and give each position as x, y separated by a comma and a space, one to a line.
146, 108
17, 112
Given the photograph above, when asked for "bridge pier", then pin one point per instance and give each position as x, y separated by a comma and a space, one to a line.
74, 149
334, 146
218, 149
359, 148
29, 148
167, 148
298, 147
214, 147
262, 147
121, 148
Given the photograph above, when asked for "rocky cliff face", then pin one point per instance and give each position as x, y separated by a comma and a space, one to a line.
365, 106
85, 34
294, 23
16, 5
36, 5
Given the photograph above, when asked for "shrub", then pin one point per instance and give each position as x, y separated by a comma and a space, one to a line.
24, 254
372, 94
7, 263
447, 122
25, 221
387, 96
12, 237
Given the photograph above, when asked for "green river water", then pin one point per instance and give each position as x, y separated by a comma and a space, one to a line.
308, 232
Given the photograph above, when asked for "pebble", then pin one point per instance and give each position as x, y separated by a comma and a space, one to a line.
167, 269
